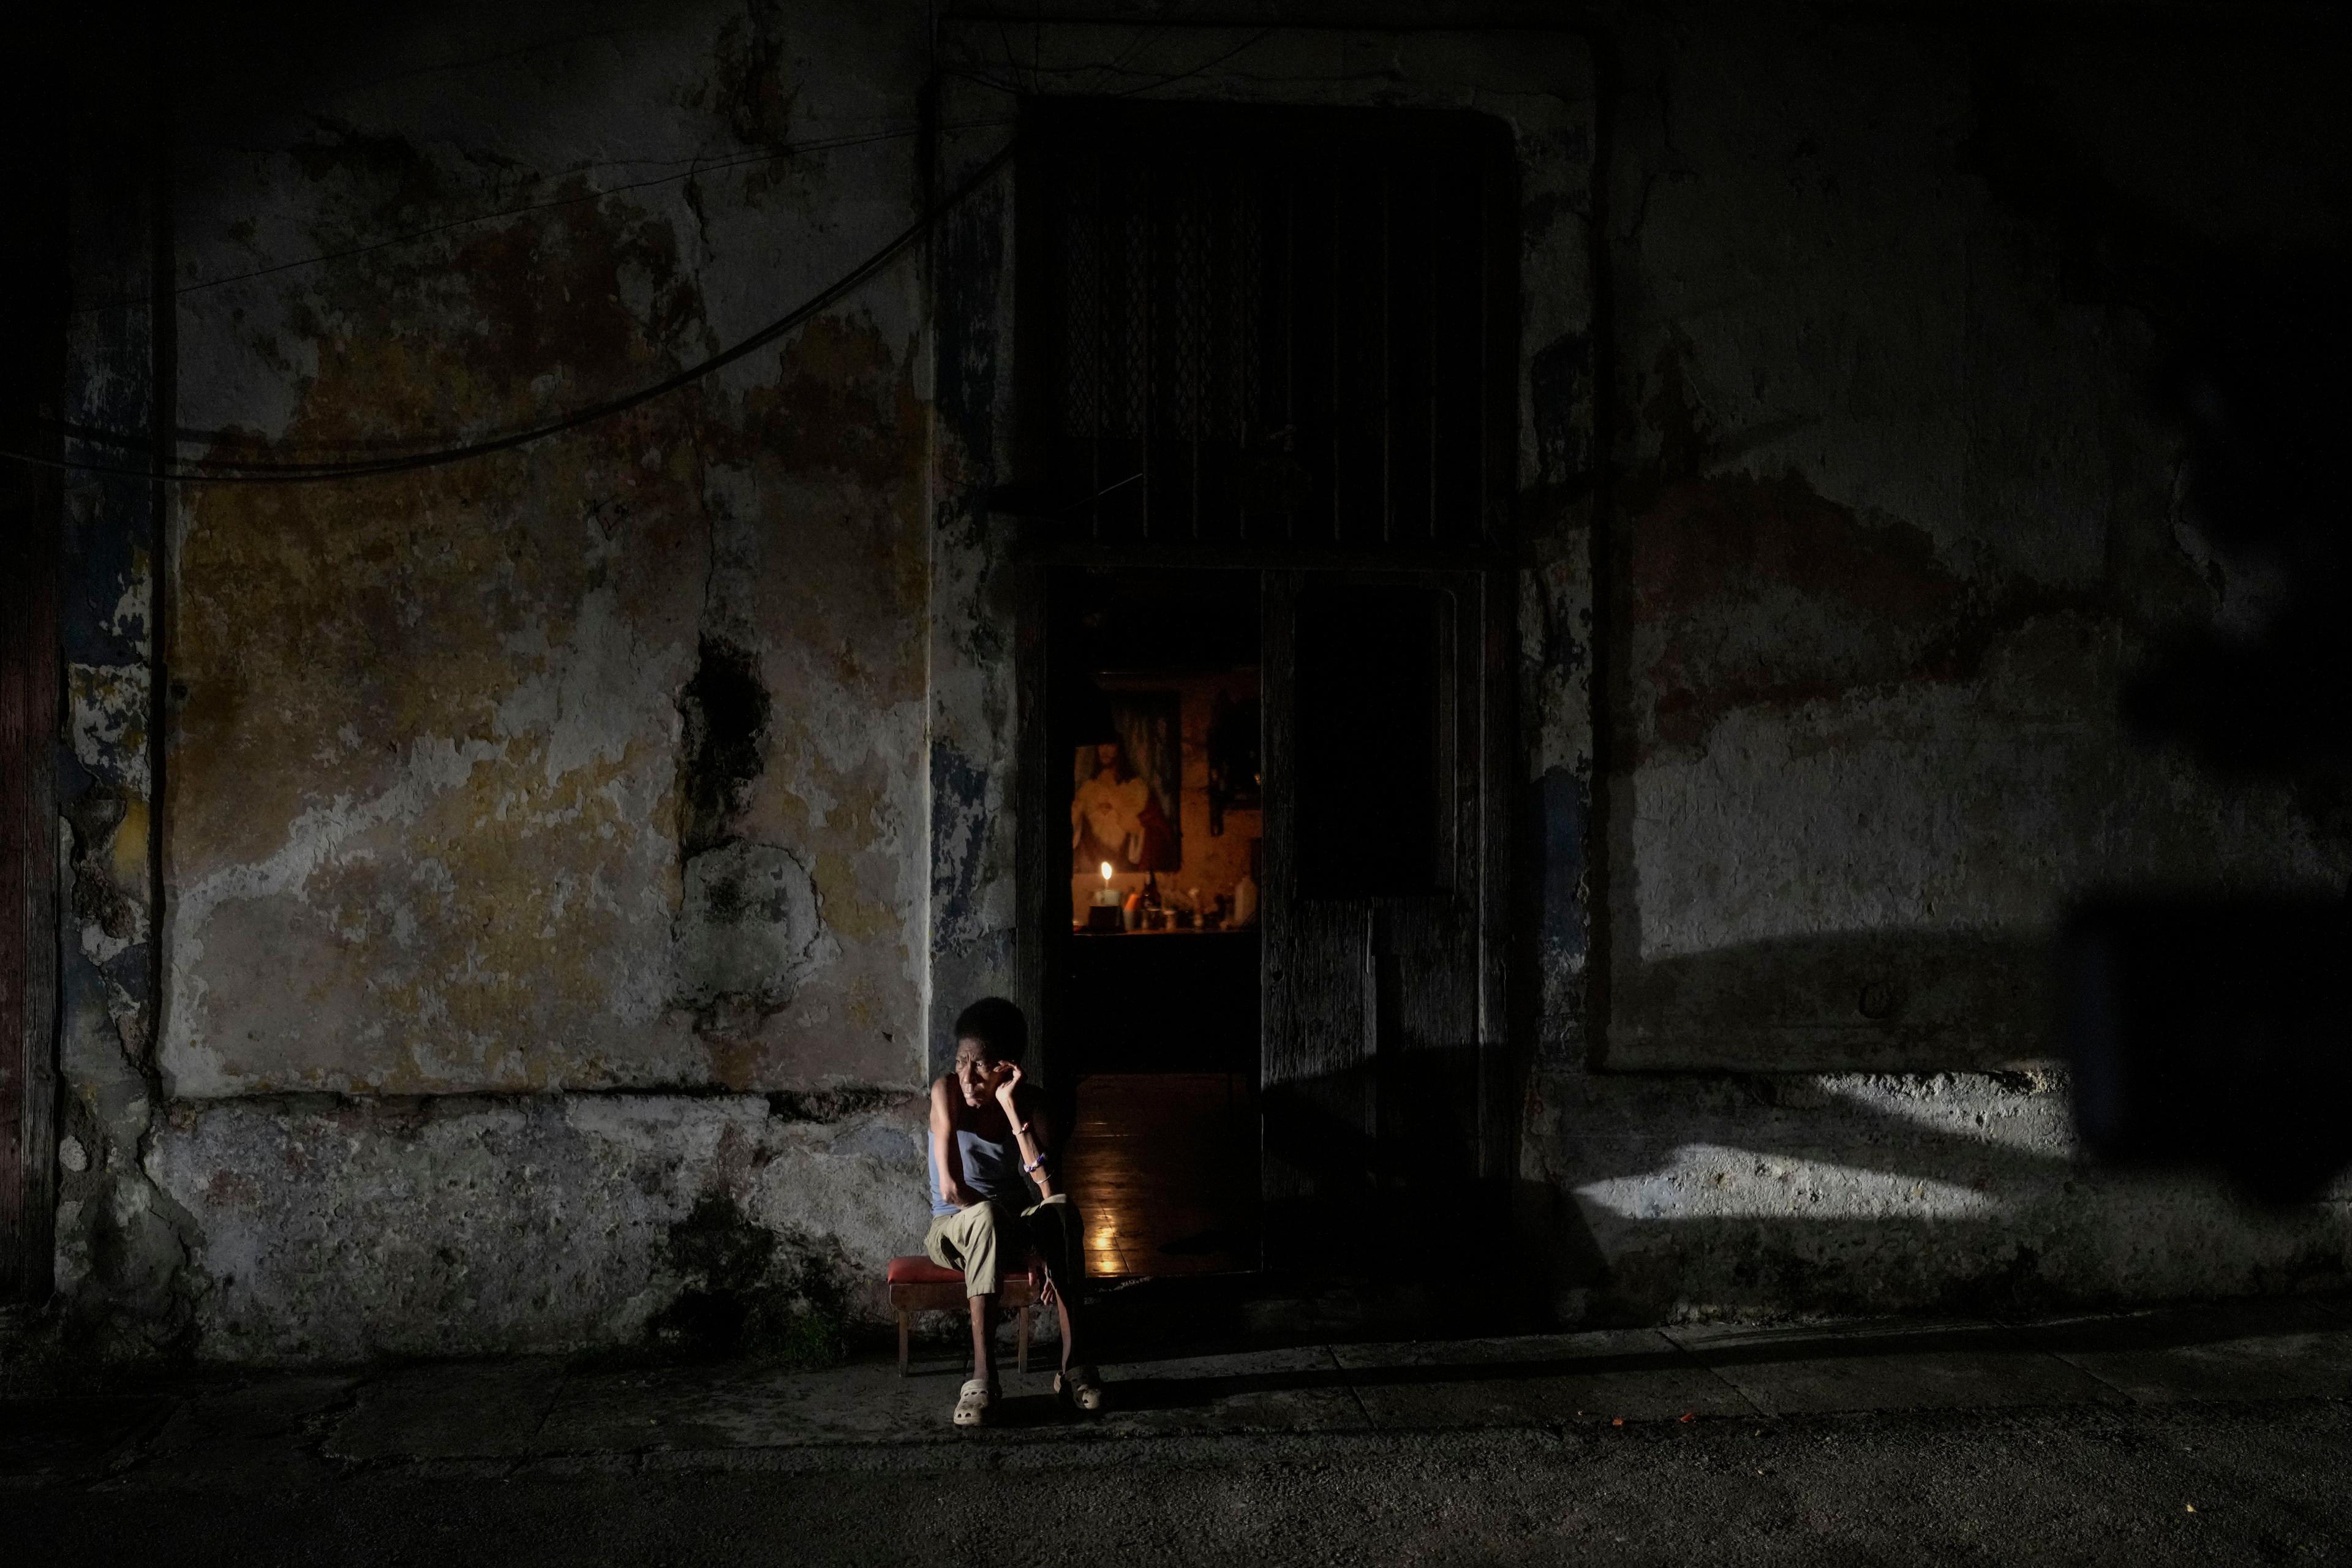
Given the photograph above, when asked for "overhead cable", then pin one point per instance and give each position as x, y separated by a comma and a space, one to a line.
695, 169
233, 470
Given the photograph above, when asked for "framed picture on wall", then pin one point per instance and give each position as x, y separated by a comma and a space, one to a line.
1125, 804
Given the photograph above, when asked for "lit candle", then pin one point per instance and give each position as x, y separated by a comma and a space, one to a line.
1106, 896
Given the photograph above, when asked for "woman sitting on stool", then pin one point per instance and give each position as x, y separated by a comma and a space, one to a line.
988, 1151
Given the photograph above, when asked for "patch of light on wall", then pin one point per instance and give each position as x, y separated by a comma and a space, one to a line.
1715, 1181
1966, 1106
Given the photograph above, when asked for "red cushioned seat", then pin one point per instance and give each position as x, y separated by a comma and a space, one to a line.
920, 1285
923, 1271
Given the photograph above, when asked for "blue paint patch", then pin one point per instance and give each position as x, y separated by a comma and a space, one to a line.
958, 828
1564, 810
109, 519
1563, 651
106, 534
105, 594
1559, 385
971, 266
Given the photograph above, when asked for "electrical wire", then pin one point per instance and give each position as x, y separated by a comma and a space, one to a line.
1019, 90
205, 470
695, 170
224, 470
1251, 42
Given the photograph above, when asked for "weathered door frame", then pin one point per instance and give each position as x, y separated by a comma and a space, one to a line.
33, 265
31, 681
987, 729
1481, 700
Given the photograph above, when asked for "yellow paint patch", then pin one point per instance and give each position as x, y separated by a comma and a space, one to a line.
127, 855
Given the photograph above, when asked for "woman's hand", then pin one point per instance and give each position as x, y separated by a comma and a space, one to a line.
1004, 1089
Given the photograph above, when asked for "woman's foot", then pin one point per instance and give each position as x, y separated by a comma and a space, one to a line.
1081, 1387
974, 1403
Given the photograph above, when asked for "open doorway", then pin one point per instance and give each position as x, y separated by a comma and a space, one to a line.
1154, 983
1267, 409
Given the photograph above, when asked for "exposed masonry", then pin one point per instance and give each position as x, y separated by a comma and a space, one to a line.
121, 1245
724, 710
748, 927
339, 1230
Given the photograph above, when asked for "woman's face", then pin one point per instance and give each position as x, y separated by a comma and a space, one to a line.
977, 1073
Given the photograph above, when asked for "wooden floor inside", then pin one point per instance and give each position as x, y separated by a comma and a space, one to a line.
1163, 1167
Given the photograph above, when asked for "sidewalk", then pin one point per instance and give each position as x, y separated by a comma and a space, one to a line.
527, 1410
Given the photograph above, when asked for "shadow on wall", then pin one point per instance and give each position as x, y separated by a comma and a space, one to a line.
1877, 1000
748, 1289
1658, 1198
1676, 1198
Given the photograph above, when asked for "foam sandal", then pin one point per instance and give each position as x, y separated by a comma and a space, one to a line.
1081, 1387
972, 1404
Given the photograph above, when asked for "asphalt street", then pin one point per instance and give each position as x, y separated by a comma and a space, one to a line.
2197, 1434
2255, 1483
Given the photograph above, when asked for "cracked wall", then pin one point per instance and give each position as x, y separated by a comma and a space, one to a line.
121, 1242
1896, 512
1695, 1197
569, 860
593, 767
340, 1231
1898, 515
508, 776
1539, 83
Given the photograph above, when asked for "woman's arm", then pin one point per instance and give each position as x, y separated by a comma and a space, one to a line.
945, 1159
1030, 1134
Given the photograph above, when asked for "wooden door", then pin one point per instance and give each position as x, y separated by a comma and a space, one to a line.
1384, 1082
32, 511
29, 700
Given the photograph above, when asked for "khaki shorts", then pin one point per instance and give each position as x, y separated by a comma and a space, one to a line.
990, 1238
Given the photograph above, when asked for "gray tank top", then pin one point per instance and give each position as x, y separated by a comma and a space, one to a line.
992, 1168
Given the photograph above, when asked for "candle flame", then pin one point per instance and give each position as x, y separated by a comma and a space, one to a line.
1106, 872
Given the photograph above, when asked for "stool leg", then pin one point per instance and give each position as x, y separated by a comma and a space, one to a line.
903, 1317
1024, 1362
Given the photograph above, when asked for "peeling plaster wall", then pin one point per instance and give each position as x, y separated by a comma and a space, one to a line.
568, 860
120, 1244
1538, 82
334, 1231
1895, 511
1898, 514
1672, 1197
458, 803
592, 767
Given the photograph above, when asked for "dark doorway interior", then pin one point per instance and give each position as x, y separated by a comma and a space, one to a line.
1266, 328
1273, 350
1155, 983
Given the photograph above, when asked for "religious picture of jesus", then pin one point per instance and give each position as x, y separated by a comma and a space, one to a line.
1124, 808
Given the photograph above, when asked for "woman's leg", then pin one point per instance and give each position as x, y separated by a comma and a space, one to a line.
1069, 1317
983, 1338
1055, 1241
972, 1239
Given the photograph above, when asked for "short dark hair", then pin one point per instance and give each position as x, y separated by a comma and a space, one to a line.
996, 1027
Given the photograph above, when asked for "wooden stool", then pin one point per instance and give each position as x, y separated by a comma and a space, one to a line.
920, 1285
